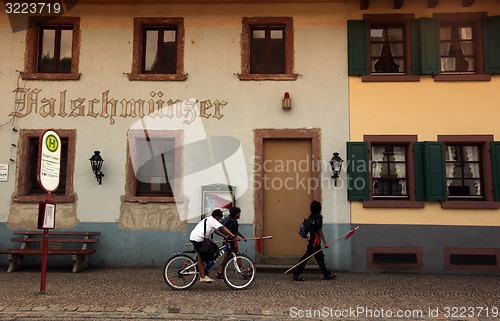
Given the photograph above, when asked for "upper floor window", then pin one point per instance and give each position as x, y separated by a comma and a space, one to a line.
53, 46
267, 49
154, 165
460, 39
28, 189
380, 47
158, 49
387, 52
457, 48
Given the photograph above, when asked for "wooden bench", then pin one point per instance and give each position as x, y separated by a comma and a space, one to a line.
32, 244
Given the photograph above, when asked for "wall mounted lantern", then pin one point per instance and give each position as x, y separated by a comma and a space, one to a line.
287, 101
336, 164
96, 164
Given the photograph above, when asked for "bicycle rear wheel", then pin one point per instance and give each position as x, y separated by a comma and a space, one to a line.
239, 272
180, 272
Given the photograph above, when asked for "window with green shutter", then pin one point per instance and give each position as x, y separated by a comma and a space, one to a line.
379, 47
381, 171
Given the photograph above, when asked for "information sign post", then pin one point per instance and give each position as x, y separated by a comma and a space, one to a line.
49, 165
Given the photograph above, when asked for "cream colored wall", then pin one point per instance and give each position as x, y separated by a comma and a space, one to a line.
427, 109
212, 60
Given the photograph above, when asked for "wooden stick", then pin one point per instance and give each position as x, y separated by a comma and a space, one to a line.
321, 249
240, 239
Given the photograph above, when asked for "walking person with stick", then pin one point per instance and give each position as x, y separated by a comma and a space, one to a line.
314, 245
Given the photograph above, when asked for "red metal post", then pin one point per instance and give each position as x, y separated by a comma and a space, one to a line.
45, 251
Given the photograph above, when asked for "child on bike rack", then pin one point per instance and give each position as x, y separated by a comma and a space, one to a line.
196, 237
231, 223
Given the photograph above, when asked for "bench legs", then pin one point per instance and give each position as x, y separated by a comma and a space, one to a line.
15, 262
80, 262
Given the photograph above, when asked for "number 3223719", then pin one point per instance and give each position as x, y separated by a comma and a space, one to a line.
32, 7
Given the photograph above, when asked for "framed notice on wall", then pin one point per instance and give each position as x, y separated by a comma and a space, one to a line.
217, 196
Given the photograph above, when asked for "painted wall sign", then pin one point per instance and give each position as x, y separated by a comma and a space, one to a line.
49, 164
108, 107
4, 172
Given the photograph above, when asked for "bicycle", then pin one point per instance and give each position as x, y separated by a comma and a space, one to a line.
181, 270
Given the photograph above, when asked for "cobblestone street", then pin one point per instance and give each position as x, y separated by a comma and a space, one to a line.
140, 293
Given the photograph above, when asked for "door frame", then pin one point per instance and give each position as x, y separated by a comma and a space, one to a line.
260, 135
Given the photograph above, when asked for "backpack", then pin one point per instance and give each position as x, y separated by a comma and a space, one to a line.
305, 229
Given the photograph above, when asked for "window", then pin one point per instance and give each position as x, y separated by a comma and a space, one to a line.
380, 47
449, 46
153, 168
267, 49
389, 172
381, 171
463, 171
158, 49
468, 176
461, 49
28, 189
457, 48
53, 46
387, 55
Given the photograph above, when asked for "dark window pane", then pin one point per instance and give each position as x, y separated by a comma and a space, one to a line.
160, 51
55, 49
267, 50
47, 51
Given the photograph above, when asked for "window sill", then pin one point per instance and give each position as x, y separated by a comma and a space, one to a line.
471, 205
268, 76
157, 77
478, 77
43, 198
402, 78
149, 199
50, 76
393, 204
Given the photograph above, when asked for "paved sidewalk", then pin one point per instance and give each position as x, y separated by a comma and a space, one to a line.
140, 294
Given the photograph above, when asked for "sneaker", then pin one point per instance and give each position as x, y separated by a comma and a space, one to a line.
297, 278
220, 276
332, 276
206, 279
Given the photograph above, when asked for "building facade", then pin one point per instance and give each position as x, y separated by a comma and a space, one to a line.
182, 101
207, 104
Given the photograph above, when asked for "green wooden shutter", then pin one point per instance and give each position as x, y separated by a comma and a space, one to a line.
491, 42
429, 54
357, 171
435, 172
415, 47
358, 31
419, 160
495, 163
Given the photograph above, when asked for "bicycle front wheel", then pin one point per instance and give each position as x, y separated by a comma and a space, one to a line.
180, 272
239, 272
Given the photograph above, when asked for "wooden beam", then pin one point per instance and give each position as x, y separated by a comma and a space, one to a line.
468, 3
398, 4
364, 4
432, 3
